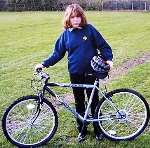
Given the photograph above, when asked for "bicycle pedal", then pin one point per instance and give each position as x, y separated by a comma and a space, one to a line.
81, 138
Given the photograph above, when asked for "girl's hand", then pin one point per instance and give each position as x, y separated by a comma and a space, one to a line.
110, 63
38, 66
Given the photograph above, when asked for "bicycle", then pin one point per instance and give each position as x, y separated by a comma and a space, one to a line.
32, 120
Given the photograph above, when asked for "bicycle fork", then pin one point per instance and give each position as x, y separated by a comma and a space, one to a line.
38, 109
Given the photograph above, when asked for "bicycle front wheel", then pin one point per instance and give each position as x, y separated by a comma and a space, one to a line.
124, 115
25, 127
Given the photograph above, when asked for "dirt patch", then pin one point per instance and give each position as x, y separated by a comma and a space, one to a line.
127, 65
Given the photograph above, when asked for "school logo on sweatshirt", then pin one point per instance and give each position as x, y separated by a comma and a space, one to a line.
85, 38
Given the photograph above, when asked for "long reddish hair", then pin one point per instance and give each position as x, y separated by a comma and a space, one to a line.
71, 11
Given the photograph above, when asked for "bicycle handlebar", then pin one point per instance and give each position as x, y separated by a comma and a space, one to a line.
42, 74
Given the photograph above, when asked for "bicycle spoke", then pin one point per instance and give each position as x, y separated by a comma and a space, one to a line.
137, 117
25, 136
109, 124
16, 130
21, 135
127, 104
132, 107
132, 125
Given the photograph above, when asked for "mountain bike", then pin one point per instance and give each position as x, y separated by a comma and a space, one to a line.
32, 121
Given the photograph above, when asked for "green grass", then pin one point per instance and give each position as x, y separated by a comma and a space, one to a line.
27, 38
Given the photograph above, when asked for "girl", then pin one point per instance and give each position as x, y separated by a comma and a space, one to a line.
81, 41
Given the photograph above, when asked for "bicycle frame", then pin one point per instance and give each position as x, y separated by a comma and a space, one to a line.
69, 108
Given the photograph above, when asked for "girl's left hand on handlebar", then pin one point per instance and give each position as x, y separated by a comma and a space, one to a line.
38, 66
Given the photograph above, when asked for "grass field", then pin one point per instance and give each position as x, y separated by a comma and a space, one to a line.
27, 38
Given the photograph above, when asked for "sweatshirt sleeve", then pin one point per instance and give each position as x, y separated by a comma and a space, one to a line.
58, 52
101, 44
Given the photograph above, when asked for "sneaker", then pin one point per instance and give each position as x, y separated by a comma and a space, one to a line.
99, 136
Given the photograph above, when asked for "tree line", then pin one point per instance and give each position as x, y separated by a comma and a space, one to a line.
47, 4
53, 5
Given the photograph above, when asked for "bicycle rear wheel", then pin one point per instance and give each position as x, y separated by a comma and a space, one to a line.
23, 127
125, 116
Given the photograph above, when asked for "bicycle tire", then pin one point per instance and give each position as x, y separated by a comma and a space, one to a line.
120, 124
14, 120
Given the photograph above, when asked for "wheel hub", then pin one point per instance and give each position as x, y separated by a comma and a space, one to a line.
121, 116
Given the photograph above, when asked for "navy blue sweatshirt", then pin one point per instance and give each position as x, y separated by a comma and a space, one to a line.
81, 45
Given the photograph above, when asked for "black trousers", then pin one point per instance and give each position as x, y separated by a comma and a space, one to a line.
79, 95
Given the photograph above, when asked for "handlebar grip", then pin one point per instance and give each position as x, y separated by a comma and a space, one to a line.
38, 70
42, 74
